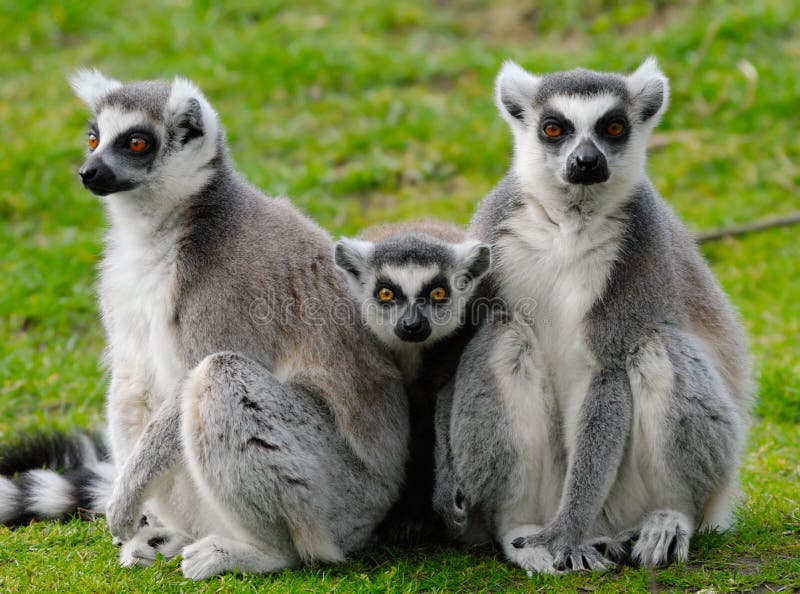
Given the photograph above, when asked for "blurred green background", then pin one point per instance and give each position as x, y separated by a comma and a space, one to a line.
364, 112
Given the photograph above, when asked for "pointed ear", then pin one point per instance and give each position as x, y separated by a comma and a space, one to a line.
90, 85
649, 89
475, 258
352, 256
189, 113
514, 90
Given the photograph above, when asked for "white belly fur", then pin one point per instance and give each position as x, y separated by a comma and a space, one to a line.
526, 394
138, 307
554, 274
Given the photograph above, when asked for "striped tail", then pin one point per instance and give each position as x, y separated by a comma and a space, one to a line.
54, 476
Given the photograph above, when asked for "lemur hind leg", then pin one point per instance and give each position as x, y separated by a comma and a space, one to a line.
269, 457
213, 555
685, 442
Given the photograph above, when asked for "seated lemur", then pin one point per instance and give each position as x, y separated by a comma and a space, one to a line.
417, 284
602, 418
260, 427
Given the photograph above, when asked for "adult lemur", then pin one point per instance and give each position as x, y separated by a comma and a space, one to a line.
418, 284
249, 409
618, 408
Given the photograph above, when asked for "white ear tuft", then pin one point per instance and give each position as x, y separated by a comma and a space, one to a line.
188, 108
475, 258
90, 85
649, 89
514, 90
352, 256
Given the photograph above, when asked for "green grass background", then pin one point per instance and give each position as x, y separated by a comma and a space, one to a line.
366, 111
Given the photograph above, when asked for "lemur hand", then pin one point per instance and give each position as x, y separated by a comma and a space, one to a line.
123, 512
551, 543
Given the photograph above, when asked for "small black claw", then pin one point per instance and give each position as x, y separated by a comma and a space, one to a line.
673, 547
601, 548
518, 543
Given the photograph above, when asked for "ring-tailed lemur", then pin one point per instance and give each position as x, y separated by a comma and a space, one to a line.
418, 287
249, 408
648, 364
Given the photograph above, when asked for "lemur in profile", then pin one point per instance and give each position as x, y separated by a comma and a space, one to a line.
615, 409
417, 284
257, 426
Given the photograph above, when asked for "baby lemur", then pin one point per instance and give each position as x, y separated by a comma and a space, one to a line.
417, 284
250, 411
612, 401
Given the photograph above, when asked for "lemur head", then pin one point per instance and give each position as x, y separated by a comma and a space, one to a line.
581, 135
149, 141
414, 288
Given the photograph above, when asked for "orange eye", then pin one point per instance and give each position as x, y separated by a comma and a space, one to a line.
137, 145
93, 141
438, 294
615, 129
553, 130
385, 294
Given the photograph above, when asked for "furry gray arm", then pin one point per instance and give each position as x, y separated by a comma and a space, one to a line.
156, 451
605, 423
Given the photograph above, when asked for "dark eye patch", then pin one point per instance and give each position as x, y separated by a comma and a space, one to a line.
440, 280
385, 283
613, 115
122, 140
551, 116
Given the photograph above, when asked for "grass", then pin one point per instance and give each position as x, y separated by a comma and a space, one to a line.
364, 112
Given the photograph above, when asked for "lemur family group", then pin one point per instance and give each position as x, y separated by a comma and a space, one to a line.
564, 378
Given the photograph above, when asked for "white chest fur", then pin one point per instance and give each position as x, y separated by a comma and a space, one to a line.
136, 295
553, 273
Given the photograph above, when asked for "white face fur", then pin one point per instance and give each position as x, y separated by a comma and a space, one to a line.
409, 305
152, 157
580, 137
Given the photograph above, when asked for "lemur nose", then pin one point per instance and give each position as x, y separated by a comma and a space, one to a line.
587, 161
412, 325
87, 174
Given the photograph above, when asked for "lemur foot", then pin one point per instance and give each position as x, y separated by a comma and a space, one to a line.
617, 550
664, 539
214, 555
146, 544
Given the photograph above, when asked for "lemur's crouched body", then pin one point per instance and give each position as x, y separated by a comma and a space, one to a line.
251, 414
611, 402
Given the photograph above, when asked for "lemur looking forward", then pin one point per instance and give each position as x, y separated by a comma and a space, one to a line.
417, 284
618, 409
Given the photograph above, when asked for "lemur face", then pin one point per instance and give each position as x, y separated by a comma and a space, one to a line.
150, 136
413, 289
581, 130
